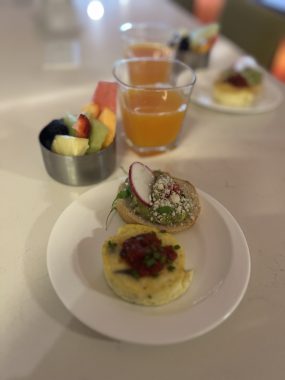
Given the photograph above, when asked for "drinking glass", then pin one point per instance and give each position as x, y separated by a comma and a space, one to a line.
147, 40
154, 101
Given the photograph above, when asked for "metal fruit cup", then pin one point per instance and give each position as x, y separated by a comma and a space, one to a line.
193, 59
80, 170
154, 95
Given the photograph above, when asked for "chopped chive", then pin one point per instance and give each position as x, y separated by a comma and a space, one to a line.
129, 272
150, 262
112, 245
157, 255
134, 273
177, 246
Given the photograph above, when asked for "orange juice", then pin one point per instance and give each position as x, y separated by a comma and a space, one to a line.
147, 72
152, 118
149, 49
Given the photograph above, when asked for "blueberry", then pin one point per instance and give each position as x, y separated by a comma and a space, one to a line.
184, 44
55, 127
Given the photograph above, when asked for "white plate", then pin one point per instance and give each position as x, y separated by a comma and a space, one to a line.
270, 98
215, 248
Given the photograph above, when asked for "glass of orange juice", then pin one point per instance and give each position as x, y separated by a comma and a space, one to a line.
147, 40
153, 109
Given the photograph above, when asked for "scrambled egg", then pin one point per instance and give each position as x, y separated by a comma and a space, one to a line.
162, 289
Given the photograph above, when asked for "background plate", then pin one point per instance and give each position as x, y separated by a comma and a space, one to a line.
270, 99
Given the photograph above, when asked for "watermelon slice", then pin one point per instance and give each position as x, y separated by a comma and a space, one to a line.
105, 95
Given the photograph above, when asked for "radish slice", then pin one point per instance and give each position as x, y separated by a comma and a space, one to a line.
141, 178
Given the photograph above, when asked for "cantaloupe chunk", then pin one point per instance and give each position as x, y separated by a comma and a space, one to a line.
91, 109
108, 118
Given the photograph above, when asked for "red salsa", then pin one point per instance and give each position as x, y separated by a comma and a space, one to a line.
237, 80
146, 256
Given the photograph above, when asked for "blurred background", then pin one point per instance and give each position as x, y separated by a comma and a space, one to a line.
49, 41
257, 26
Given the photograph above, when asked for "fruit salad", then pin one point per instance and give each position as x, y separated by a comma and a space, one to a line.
198, 41
90, 131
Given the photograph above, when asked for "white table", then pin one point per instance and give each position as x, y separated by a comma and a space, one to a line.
239, 160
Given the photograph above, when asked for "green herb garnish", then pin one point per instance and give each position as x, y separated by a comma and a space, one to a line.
134, 273
129, 272
156, 255
112, 245
123, 194
177, 246
149, 261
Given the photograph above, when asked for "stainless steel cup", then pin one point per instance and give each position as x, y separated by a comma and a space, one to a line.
192, 59
81, 170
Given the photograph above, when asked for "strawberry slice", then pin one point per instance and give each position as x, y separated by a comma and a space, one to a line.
105, 95
82, 126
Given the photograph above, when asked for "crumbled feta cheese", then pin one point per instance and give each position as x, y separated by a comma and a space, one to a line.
167, 193
175, 198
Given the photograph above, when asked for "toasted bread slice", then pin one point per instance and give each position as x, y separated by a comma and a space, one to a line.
128, 215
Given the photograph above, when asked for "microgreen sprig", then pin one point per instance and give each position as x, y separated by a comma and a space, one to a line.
123, 194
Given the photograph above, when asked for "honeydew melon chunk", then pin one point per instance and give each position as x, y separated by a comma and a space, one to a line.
69, 145
69, 120
97, 135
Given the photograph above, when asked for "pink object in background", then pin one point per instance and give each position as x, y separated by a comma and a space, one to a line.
278, 63
208, 10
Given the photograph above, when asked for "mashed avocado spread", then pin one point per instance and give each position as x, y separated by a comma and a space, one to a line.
169, 205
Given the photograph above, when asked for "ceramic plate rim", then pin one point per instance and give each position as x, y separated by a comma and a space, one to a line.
240, 262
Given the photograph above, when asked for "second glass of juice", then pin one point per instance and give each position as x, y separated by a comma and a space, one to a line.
147, 40
154, 109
